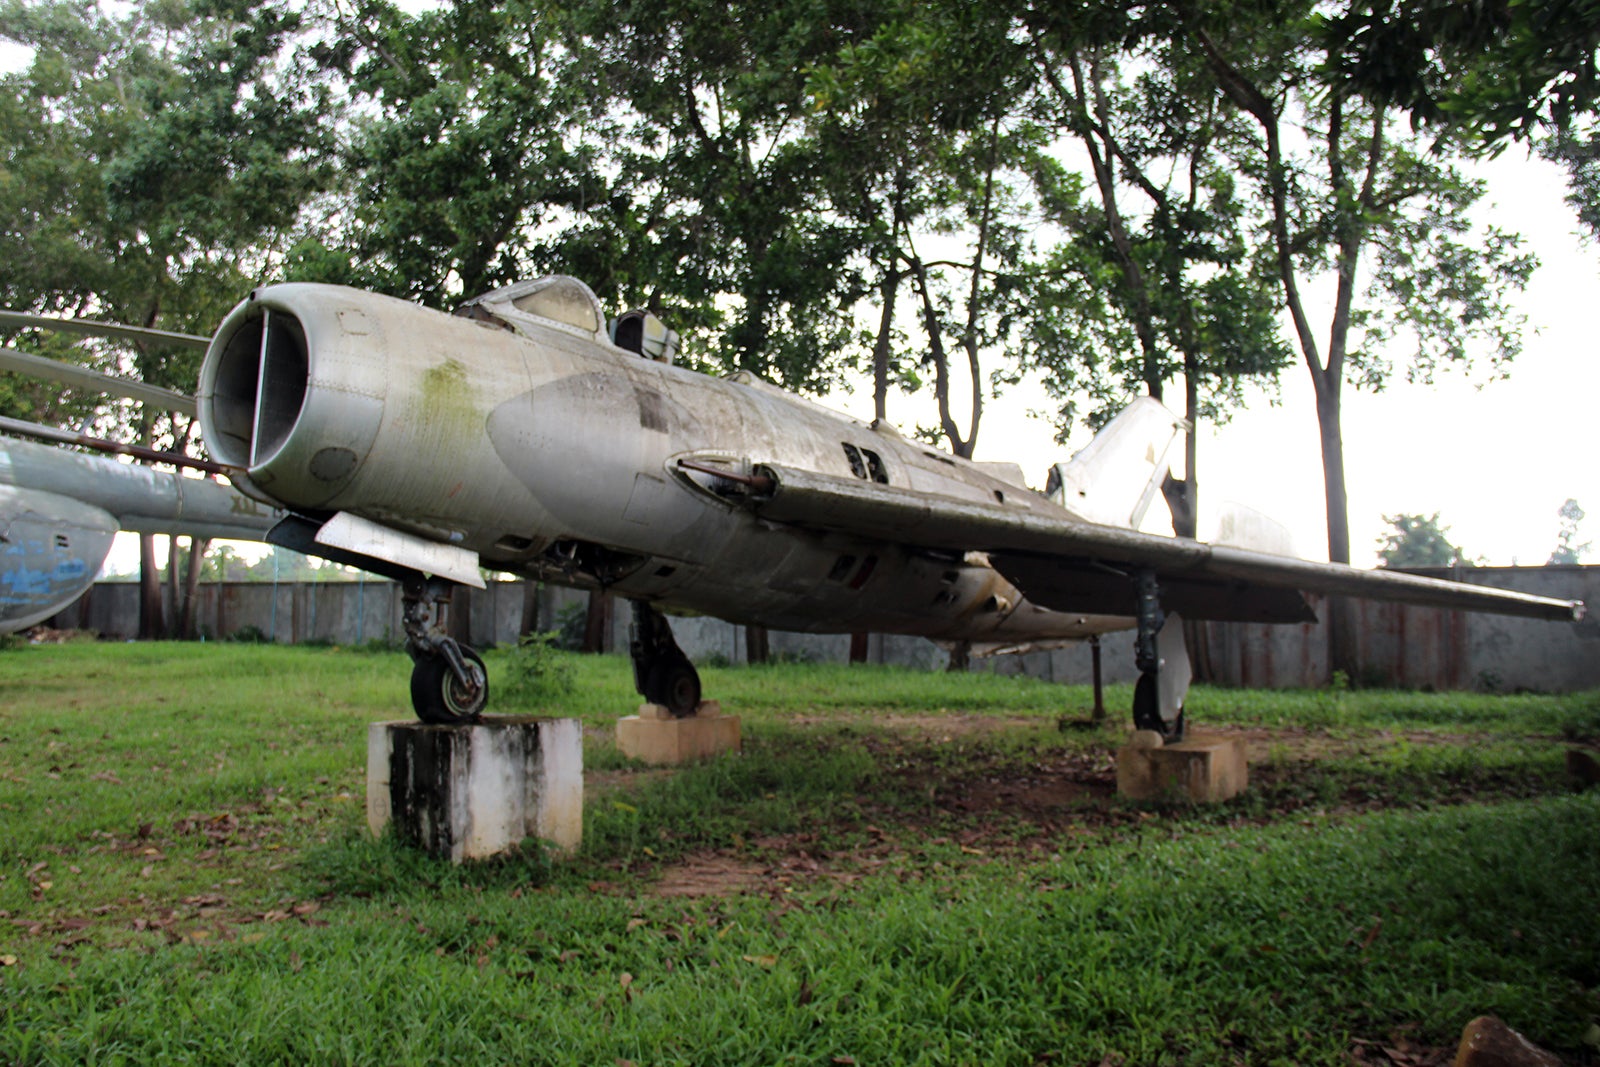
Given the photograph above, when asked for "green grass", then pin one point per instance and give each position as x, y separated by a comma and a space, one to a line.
185, 876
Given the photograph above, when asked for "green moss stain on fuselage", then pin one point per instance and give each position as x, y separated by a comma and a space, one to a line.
445, 417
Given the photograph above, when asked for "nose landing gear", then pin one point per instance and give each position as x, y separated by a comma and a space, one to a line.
448, 681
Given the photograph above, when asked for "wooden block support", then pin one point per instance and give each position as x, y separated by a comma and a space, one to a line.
1204, 770
473, 791
654, 736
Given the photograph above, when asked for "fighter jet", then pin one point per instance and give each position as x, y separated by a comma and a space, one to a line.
528, 435
60, 510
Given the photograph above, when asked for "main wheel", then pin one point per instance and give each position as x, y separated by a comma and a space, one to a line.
437, 694
1147, 710
673, 683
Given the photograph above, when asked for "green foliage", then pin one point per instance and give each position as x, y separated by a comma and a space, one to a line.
571, 623
1418, 541
1568, 549
1344, 190
537, 670
1492, 72
1154, 280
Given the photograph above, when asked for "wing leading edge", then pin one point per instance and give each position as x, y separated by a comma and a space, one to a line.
1071, 565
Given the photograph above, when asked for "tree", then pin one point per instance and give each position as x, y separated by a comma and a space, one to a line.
1418, 541
1164, 249
162, 149
1568, 549
458, 153
1488, 74
1353, 194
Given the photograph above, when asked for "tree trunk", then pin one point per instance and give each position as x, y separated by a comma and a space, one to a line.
191, 585
530, 609
880, 348
152, 622
756, 646
173, 598
1344, 654
1335, 496
960, 657
597, 622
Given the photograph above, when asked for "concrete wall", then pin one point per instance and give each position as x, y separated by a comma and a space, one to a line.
1425, 648
1400, 646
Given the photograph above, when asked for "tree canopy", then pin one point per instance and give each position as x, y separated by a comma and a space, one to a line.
1108, 199
1418, 541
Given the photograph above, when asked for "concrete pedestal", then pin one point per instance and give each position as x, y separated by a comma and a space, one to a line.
473, 791
1204, 770
655, 736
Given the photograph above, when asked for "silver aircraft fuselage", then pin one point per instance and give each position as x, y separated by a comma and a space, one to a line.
531, 444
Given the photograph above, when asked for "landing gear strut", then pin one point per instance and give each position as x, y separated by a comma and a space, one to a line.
661, 672
448, 681
1163, 663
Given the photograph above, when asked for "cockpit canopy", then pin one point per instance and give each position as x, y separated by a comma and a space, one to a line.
563, 301
555, 299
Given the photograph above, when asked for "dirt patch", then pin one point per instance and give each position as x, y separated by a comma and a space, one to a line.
709, 875
970, 785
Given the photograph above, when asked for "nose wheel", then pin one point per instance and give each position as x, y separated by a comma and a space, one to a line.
449, 684
439, 696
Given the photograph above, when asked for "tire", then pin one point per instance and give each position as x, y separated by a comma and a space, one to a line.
673, 683
439, 698
1147, 710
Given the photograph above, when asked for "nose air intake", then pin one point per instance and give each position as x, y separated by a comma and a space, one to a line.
259, 378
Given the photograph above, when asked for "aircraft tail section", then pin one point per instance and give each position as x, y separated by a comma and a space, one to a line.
1245, 527
1113, 478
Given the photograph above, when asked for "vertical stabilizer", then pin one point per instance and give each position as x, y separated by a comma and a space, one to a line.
1113, 478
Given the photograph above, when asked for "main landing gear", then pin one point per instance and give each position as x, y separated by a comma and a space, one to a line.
661, 672
1163, 662
448, 680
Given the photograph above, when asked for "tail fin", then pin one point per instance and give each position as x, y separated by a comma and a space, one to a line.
1114, 477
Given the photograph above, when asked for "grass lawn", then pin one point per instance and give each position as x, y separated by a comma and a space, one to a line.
900, 868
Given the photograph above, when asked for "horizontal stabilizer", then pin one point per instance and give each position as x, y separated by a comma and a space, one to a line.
22, 320
1244, 527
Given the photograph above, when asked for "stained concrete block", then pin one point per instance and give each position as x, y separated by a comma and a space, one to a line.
1204, 770
655, 736
473, 791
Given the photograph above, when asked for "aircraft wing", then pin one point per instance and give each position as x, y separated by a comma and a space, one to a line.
1072, 565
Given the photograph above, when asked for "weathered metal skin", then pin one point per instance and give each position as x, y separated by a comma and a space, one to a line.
551, 453
60, 510
516, 436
